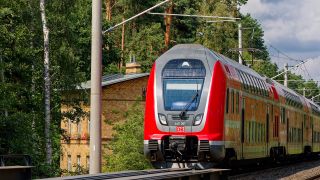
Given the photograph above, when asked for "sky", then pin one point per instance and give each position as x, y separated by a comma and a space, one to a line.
293, 27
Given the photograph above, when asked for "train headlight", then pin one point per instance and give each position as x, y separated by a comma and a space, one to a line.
163, 119
197, 120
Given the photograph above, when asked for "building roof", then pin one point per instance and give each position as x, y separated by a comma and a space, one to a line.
113, 79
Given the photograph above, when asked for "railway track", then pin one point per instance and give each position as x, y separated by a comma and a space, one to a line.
151, 174
306, 170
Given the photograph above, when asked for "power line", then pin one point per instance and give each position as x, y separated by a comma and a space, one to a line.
195, 16
290, 68
280, 52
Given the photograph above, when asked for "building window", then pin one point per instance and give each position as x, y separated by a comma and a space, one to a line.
88, 126
79, 128
69, 163
78, 161
88, 162
69, 126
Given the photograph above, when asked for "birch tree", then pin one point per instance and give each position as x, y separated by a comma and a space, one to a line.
46, 83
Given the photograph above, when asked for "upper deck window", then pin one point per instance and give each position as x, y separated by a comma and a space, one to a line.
184, 68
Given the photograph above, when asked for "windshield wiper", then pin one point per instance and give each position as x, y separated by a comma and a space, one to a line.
186, 107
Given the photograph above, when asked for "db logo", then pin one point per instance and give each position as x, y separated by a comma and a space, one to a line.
180, 129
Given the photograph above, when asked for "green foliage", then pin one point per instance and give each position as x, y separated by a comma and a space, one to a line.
266, 68
145, 45
127, 143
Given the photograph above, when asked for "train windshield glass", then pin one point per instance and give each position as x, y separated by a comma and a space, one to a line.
182, 94
182, 84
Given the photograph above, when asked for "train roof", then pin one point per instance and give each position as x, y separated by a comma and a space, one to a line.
203, 53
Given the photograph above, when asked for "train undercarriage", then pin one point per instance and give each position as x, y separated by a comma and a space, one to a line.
182, 152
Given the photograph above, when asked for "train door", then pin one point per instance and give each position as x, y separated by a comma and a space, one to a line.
267, 126
312, 129
242, 131
283, 128
274, 124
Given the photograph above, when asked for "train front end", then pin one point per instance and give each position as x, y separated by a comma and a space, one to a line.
185, 108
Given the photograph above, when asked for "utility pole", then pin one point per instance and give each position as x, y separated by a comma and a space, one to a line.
96, 71
240, 42
285, 83
95, 94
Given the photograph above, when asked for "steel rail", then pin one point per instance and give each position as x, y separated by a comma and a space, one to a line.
144, 174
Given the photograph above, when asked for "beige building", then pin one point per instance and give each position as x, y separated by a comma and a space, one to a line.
119, 92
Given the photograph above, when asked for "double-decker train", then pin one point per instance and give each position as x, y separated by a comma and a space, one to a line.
203, 108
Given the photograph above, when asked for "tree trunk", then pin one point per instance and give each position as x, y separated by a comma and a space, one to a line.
108, 9
168, 21
46, 83
122, 44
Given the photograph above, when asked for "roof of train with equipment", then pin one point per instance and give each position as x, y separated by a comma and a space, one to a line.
200, 49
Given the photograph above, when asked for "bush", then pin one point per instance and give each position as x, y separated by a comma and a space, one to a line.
127, 143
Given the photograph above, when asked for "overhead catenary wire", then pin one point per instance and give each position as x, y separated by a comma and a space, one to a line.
280, 52
291, 68
193, 15
135, 16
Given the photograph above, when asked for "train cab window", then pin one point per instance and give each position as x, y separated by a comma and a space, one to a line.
183, 80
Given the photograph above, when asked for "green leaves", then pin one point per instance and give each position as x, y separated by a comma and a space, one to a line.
127, 143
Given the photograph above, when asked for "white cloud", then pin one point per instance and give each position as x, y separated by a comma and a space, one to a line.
293, 26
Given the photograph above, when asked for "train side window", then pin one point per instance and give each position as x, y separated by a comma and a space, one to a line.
254, 134
305, 125
259, 132
227, 101
250, 131
237, 103
283, 115
232, 101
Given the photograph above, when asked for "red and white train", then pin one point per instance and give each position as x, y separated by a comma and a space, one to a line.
203, 108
